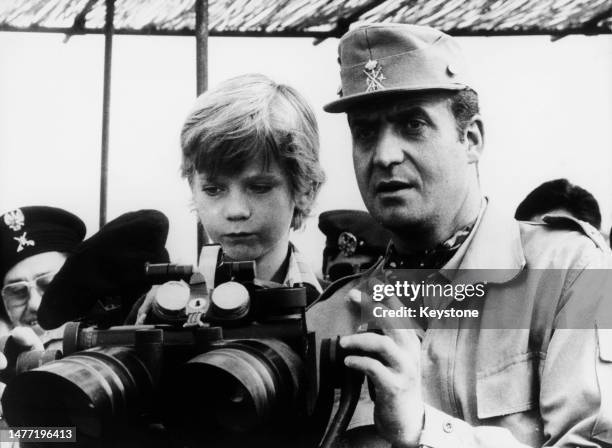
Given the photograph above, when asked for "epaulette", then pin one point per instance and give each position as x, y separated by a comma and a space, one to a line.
331, 289
335, 286
570, 223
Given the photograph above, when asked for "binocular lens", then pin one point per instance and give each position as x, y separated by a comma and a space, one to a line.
86, 390
241, 385
42, 399
236, 387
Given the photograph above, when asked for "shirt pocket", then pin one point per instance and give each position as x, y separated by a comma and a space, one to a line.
508, 387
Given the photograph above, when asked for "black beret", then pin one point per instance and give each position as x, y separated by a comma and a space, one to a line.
353, 232
32, 230
110, 263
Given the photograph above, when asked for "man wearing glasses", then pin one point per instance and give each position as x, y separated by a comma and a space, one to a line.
34, 243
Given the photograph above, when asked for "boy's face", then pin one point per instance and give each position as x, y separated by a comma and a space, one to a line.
248, 213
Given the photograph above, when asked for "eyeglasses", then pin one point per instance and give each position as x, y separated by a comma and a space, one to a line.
18, 293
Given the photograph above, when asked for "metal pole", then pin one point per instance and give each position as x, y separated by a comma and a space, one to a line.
201, 35
108, 54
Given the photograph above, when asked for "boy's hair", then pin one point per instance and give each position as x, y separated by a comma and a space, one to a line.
250, 117
560, 194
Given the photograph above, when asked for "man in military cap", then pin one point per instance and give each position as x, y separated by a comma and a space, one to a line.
417, 139
354, 241
34, 244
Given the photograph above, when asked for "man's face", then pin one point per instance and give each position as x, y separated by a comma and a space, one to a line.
411, 165
248, 213
25, 283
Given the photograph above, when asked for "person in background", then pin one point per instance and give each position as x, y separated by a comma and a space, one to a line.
34, 244
354, 242
559, 197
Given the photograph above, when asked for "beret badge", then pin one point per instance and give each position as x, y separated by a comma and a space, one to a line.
36, 229
24, 241
14, 219
347, 243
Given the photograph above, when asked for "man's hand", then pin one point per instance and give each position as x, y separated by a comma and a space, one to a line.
392, 363
27, 338
24, 337
144, 309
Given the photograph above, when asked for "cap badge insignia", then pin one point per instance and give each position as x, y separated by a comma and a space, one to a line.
373, 71
14, 219
24, 241
347, 243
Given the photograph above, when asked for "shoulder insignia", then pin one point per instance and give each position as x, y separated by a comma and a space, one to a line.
335, 286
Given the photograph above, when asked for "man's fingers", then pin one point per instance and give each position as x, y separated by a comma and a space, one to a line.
3, 361
374, 345
372, 368
25, 336
406, 339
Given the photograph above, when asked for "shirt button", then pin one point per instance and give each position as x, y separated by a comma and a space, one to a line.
448, 427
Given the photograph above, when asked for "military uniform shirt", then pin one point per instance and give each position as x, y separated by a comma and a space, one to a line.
499, 387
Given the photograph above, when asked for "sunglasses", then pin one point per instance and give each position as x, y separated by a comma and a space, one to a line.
18, 293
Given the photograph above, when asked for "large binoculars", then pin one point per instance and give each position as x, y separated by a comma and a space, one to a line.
214, 366
204, 382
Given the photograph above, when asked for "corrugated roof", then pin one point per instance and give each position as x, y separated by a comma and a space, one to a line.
312, 17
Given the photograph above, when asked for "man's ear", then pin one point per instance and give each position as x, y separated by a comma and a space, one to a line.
474, 136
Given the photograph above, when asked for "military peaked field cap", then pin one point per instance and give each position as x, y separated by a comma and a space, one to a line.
384, 58
353, 232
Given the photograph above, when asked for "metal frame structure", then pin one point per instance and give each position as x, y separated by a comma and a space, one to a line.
598, 22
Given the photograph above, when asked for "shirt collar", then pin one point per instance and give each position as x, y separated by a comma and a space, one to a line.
298, 272
445, 254
494, 245
455, 261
